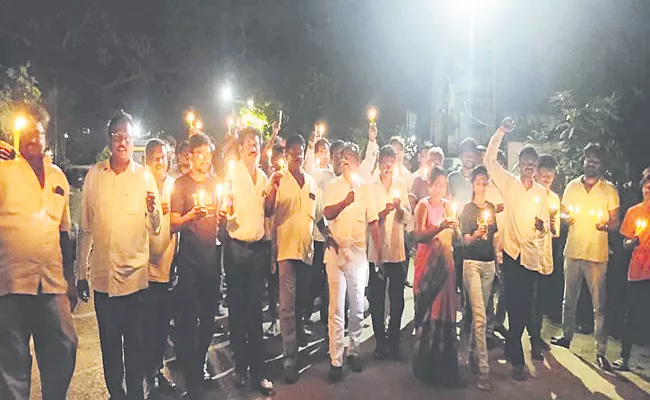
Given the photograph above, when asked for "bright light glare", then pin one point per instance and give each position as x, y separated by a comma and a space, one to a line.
199, 125
476, 7
137, 130
250, 102
226, 93
20, 123
190, 117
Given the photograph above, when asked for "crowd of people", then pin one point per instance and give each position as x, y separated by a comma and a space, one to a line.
292, 220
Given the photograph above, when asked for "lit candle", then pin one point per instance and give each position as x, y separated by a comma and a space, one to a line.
281, 164
199, 126
454, 209
396, 194
200, 196
281, 114
19, 124
553, 208
536, 200
486, 217
372, 115
641, 225
599, 215
168, 187
321, 129
219, 193
189, 117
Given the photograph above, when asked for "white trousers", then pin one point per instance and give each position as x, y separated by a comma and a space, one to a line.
351, 278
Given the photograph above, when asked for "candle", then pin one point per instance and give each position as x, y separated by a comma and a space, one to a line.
321, 129
599, 215
281, 164
454, 209
189, 117
200, 198
553, 208
372, 115
269, 154
396, 194
19, 124
219, 191
168, 187
641, 225
280, 121
486, 217
199, 125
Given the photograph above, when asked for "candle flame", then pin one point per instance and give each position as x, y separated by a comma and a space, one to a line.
321, 128
486, 216
190, 117
199, 125
396, 194
231, 166
372, 114
454, 208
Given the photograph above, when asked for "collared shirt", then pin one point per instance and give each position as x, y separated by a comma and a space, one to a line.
521, 207
639, 269
163, 246
116, 225
584, 241
392, 228
547, 256
297, 209
493, 195
349, 228
31, 218
400, 172
247, 221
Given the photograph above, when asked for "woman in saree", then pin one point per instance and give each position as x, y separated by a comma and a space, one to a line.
434, 286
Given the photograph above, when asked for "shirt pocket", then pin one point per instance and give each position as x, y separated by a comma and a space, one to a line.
54, 206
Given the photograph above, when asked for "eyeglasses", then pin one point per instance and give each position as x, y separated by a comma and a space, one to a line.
157, 158
119, 137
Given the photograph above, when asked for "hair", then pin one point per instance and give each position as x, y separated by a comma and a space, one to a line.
593, 149
435, 173
468, 145
120, 117
152, 144
295, 139
336, 145
644, 180
478, 171
198, 140
425, 146
436, 150
481, 149
182, 145
396, 140
248, 131
528, 150
387, 151
321, 143
546, 161
352, 149
170, 140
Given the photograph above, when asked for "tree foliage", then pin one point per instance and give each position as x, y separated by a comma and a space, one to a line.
573, 124
19, 87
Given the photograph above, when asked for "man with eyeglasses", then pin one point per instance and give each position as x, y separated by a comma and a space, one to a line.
119, 213
194, 215
37, 289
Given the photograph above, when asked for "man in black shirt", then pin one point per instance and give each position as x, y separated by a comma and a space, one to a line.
194, 214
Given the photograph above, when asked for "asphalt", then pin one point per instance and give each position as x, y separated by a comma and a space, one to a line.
563, 375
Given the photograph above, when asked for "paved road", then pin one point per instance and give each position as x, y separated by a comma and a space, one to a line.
564, 375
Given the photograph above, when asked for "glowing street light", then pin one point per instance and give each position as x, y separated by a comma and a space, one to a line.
227, 94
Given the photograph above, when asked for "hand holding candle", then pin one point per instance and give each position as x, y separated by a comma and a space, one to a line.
641, 225
372, 115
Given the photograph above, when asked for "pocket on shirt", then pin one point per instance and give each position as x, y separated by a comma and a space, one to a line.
55, 206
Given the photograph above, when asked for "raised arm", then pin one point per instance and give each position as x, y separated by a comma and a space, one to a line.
499, 175
372, 151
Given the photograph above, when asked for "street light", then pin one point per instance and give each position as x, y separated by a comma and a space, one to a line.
227, 94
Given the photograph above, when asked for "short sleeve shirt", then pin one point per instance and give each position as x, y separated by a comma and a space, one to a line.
460, 188
584, 241
198, 239
639, 269
482, 249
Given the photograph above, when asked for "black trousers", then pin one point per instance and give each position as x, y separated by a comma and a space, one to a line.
196, 296
534, 325
520, 284
158, 312
637, 299
245, 272
120, 319
394, 277
318, 284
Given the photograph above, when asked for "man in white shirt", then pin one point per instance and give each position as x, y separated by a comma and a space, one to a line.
244, 261
37, 289
157, 298
351, 210
391, 195
593, 210
525, 224
295, 203
545, 176
119, 213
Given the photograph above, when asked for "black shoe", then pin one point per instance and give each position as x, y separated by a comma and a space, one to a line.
273, 330
519, 373
241, 380
501, 330
603, 363
265, 387
335, 374
544, 345
536, 354
291, 375
379, 353
561, 341
162, 384
304, 336
355, 363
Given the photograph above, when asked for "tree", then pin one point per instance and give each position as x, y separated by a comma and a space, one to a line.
19, 87
572, 125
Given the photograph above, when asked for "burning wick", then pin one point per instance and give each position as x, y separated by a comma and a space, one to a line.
454, 209
396, 194
641, 225
486, 217
372, 115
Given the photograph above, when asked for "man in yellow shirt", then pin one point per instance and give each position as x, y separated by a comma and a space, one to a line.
592, 205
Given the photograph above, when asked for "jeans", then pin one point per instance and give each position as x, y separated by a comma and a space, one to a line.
478, 277
595, 275
395, 275
520, 283
351, 278
120, 321
534, 325
245, 271
637, 299
196, 296
295, 280
46, 318
158, 304
496, 315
